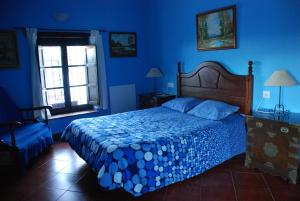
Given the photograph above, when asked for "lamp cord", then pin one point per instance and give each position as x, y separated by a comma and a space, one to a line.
279, 95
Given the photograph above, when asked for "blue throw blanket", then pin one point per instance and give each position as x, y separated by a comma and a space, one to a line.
145, 150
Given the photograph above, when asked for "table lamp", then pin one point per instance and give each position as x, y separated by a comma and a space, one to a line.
154, 73
280, 78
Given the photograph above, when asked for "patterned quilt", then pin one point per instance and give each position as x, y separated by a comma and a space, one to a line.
145, 150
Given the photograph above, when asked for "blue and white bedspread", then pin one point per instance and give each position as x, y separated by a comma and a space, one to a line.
145, 150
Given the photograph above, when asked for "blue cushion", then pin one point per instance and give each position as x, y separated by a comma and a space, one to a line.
182, 104
213, 110
31, 140
8, 110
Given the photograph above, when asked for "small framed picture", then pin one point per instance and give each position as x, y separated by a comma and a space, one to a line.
216, 29
123, 44
8, 49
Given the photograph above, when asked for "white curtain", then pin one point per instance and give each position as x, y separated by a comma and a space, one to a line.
37, 95
96, 39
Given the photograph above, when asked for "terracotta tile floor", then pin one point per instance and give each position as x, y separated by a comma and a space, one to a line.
61, 175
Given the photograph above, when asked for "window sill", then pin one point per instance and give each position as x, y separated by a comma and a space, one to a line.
59, 116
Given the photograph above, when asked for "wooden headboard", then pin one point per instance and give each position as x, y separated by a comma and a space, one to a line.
210, 80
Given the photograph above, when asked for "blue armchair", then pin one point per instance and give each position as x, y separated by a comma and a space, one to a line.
22, 138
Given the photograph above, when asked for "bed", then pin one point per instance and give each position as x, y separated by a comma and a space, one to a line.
145, 150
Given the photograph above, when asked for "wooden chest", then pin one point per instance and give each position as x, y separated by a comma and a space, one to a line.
273, 145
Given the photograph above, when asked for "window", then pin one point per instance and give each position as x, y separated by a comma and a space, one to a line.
68, 70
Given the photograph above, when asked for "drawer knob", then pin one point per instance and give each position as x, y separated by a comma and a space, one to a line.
284, 130
259, 124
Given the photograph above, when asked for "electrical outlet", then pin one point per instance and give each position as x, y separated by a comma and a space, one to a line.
266, 94
170, 85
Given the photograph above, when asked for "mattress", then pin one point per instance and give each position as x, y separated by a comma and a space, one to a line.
145, 150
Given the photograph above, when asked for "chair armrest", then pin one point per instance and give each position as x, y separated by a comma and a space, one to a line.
38, 108
11, 125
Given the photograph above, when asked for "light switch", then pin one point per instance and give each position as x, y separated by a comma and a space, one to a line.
266, 94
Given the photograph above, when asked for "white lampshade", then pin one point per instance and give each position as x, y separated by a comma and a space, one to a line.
154, 72
281, 78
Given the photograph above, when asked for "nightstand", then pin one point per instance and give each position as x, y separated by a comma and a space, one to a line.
273, 144
154, 100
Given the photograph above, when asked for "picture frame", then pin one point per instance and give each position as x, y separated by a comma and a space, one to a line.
123, 44
9, 57
216, 29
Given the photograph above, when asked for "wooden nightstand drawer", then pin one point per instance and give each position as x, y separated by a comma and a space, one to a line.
273, 147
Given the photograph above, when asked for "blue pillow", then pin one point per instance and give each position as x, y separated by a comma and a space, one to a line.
182, 104
213, 110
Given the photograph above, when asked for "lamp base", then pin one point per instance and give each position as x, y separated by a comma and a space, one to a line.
279, 110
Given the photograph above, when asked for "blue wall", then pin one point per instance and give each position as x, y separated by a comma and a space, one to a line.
268, 32
112, 15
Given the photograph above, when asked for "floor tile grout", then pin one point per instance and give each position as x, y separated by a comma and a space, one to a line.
233, 184
268, 187
76, 182
60, 196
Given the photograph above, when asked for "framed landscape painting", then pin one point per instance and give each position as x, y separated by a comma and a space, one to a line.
216, 29
8, 49
122, 44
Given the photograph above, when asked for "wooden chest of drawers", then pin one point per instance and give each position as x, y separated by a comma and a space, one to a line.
273, 145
